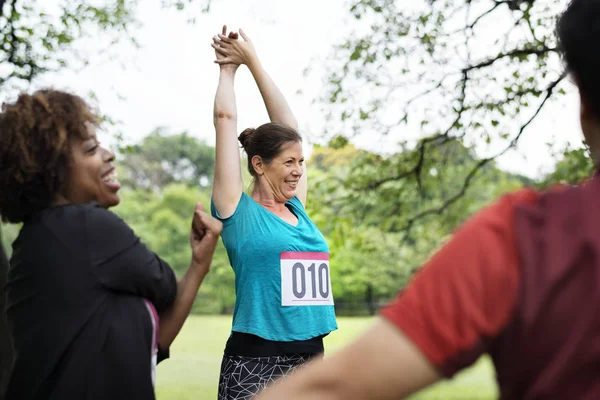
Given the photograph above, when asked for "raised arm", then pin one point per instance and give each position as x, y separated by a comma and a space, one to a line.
243, 52
228, 184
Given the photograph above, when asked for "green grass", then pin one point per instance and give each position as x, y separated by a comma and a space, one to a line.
192, 372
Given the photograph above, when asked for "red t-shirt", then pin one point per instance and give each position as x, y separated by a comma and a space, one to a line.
521, 282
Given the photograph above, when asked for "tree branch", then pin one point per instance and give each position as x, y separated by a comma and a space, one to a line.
470, 176
514, 53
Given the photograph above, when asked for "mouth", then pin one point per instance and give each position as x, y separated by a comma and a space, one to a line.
292, 184
110, 179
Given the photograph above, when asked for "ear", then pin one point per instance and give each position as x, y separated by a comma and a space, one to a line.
258, 165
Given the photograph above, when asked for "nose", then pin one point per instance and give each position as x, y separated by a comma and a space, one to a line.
109, 156
298, 170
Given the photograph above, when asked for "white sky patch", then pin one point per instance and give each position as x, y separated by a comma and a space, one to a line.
171, 80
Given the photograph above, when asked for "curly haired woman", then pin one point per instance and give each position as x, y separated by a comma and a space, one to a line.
85, 297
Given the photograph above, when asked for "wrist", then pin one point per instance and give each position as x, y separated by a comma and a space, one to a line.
254, 64
199, 266
228, 69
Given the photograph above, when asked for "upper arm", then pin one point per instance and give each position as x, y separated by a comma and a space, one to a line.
122, 263
227, 184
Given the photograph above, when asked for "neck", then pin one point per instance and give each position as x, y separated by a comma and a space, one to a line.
59, 200
266, 198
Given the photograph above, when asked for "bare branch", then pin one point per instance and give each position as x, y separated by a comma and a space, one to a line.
470, 176
514, 53
472, 25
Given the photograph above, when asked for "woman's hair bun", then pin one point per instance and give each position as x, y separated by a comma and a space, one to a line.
245, 137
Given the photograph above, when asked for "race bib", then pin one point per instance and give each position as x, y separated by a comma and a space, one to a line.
305, 279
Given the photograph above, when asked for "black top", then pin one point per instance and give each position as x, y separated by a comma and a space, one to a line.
247, 345
76, 290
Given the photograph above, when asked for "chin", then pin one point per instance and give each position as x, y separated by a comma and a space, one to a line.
112, 201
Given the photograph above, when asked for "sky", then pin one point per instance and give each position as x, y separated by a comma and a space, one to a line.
171, 79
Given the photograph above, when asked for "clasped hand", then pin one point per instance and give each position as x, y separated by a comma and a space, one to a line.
230, 50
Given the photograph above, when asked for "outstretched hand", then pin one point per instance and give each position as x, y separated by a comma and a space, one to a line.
230, 50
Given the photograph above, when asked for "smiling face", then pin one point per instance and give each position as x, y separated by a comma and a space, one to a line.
283, 173
91, 173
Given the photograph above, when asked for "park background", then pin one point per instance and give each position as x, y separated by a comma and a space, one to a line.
414, 116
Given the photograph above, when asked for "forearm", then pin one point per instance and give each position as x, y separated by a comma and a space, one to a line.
172, 319
277, 107
225, 103
382, 364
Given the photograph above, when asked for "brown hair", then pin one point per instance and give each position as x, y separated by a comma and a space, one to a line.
36, 133
266, 141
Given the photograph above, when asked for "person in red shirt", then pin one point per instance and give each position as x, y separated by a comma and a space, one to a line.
520, 281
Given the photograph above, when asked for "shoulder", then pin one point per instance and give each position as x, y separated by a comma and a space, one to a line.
295, 202
243, 204
474, 278
104, 228
100, 217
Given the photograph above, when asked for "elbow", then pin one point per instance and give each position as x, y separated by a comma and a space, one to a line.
293, 123
222, 115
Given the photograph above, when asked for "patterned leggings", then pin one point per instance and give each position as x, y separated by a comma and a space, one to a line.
243, 377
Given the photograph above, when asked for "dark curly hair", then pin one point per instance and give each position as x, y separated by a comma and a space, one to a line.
36, 133
578, 32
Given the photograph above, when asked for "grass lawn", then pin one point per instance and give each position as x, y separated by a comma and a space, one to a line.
192, 372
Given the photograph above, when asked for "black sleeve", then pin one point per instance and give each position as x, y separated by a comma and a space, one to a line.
122, 263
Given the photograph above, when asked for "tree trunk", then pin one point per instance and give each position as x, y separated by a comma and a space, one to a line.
6, 351
369, 300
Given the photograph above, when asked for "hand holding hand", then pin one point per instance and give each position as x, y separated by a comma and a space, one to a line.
204, 236
233, 51
220, 57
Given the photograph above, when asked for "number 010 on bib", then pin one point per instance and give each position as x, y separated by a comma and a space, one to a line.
305, 279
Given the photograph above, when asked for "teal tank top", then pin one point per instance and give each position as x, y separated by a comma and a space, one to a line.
282, 280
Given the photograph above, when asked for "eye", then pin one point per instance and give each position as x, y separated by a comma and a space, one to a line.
301, 162
288, 162
92, 149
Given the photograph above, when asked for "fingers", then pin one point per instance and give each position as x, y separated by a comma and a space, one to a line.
220, 49
209, 223
224, 31
233, 35
224, 61
226, 39
244, 36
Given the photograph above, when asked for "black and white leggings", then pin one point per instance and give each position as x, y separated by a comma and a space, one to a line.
243, 377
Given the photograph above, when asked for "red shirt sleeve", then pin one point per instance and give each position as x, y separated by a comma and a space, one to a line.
464, 296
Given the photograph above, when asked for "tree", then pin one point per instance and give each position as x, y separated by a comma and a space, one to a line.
161, 159
372, 254
433, 71
574, 167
